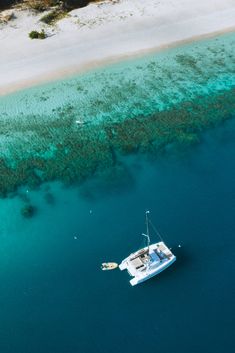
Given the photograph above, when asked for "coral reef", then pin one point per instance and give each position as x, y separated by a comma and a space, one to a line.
74, 129
90, 151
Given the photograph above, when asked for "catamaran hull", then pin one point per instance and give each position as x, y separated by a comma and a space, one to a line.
148, 261
135, 281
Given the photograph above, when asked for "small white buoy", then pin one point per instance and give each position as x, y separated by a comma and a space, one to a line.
75, 237
90, 211
179, 246
27, 191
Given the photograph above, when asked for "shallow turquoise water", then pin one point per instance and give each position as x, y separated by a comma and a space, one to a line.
53, 296
35, 121
136, 86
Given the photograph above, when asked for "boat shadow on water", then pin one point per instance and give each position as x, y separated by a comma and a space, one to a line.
174, 272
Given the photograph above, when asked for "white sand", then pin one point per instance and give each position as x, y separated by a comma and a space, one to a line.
102, 33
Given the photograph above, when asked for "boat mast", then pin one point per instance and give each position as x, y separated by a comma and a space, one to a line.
147, 229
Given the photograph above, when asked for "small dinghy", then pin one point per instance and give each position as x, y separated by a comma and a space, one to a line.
108, 266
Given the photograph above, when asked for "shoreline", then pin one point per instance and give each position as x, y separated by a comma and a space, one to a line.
73, 129
63, 73
69, 50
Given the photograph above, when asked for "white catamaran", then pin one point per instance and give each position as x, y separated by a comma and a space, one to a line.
148, 261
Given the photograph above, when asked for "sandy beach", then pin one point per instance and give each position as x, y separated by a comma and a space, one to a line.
102, 33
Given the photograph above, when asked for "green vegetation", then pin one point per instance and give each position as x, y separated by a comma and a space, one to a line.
53, 16
37, 35
41, 5
45, 5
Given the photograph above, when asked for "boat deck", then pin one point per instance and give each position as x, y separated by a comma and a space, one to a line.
147, 262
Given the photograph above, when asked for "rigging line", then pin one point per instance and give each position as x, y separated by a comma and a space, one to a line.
155, 230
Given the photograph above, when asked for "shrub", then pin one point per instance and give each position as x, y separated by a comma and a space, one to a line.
37, 35
53, 16
41, 5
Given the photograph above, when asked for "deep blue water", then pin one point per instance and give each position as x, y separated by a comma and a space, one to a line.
55, 299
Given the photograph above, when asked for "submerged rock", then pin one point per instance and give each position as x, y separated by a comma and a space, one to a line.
49, 198
28, 211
